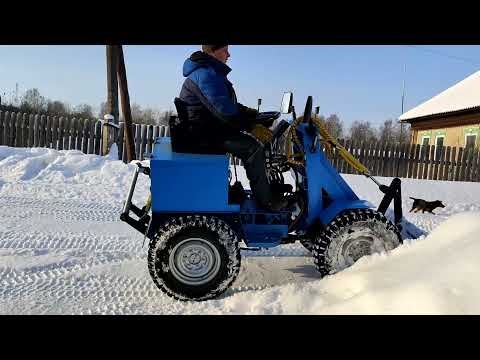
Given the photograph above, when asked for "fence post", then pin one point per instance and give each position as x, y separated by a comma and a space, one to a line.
477, 174
91, 139
55, 132
149, 139
431, 162
446, 166
85, 135
108, 118
48, 132
6, 131
2, 126
143, 142
61, 124
18, 131
441, 164
473, 164
138, 139
458, 164
72, 134
121, 140
463, 165
66, 133
41, 131
410, 160
36, 126
80, 134
11, 134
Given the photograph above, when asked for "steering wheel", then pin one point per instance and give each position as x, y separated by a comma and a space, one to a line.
267, 118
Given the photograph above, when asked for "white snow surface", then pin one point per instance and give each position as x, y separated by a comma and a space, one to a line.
63, 250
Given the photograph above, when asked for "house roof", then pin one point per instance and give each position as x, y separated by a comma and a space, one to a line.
462, 96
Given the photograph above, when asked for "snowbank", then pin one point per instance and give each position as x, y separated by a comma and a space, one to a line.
436, 275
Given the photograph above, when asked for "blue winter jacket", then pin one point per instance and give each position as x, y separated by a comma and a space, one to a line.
212, 107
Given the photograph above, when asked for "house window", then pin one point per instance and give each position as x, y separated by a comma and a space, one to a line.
439, 141
425, 140
470, 141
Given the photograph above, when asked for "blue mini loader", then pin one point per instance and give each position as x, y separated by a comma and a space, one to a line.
196, 221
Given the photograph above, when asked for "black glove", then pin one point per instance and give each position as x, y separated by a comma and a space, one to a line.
250, 116
267, 123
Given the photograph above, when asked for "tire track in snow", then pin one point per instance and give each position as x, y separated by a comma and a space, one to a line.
74, 210
75, 291
69, 240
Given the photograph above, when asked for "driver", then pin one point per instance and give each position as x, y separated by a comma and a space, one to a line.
216, 121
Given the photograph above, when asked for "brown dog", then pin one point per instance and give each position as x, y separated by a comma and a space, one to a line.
420, 204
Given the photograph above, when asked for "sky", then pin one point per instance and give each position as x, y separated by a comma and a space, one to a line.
356, 82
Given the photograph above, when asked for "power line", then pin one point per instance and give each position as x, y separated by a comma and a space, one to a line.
471, 61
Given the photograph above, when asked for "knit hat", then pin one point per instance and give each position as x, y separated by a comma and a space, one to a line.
211, 48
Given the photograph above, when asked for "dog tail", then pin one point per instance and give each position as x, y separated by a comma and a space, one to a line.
413, 198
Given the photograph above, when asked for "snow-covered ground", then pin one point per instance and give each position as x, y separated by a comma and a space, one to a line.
63, 250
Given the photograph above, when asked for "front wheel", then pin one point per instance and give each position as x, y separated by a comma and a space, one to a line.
350, 236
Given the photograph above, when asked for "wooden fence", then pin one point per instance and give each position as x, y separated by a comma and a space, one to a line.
383, 159
413, 161
62, 133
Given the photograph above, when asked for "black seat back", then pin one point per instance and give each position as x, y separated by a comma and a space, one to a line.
187, 136
178, 127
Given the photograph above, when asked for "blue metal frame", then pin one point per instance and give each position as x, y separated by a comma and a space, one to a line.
320, 174
183, 184
194, 182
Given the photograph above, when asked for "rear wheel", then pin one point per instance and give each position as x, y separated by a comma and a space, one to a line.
194, 258
350, 236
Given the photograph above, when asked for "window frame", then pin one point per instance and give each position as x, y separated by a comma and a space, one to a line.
436, 145
429, 137
475, 143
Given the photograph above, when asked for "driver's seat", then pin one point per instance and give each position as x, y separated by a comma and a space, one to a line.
185, 138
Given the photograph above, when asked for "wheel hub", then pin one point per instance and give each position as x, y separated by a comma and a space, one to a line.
194, 261
360, 240
358, 248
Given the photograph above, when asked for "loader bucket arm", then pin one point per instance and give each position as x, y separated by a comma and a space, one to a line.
392, 192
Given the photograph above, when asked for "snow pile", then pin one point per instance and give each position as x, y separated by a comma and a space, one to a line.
69, 174
436, 275
63, 250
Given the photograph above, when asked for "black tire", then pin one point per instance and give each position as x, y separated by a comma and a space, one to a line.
351, 235
307, 244
194, 258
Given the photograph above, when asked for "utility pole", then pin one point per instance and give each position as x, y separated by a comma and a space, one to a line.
126, 110
112, 97
112, 83
403, 102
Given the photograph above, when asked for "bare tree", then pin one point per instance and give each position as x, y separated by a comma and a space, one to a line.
391, 132
362, 131
103, 110
58, 107
147, 116
404, 136
388, 132
165, 118
334, 126
83, 111
32, 101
